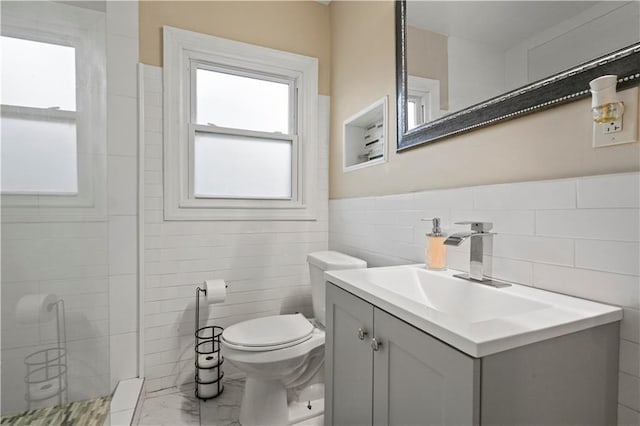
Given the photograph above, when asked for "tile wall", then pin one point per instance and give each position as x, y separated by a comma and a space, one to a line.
264, 263
575, 236
122, 184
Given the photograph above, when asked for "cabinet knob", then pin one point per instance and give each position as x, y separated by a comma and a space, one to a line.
375, 344
361, 333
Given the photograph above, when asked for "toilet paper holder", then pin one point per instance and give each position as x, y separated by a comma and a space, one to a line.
208, 359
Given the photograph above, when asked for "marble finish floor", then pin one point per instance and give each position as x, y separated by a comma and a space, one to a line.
179, 406
170, 407
225, 409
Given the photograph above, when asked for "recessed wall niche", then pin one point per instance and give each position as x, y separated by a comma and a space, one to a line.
365, 137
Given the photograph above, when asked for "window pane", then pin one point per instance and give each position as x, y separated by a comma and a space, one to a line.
39, 156
241, 167
238, 102
411, 114
39, 75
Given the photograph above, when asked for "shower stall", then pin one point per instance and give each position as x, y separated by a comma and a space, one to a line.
59, 212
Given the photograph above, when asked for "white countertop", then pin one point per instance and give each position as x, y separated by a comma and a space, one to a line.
474, 318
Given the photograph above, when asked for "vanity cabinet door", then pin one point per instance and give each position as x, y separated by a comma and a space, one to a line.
419, 380
349, 359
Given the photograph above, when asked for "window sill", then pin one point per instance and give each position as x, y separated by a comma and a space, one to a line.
301, 213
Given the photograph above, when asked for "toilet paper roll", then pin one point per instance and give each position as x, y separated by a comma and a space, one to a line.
208, 367
36, 308
207, 360
216, 291
207, 391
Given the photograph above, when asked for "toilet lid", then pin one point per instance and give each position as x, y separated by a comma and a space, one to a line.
271, 331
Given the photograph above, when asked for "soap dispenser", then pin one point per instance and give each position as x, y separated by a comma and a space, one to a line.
435, 250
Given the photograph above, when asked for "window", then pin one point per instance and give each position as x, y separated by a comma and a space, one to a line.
240, 130
38, 100
415, 112
243, 135
423, 101
53, 112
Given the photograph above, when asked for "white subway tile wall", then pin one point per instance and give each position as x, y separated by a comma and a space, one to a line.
122, 350
576, 236
263, 263
122, 188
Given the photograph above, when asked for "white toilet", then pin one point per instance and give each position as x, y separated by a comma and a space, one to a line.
284, 352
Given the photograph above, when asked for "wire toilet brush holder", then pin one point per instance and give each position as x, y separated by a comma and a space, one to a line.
209, 374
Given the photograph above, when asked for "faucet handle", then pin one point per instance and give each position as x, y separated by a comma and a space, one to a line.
477, 226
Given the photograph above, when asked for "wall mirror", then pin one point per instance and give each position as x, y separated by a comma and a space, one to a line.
467, 64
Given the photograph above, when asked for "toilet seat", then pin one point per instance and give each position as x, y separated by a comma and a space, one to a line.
268, 333
261, 357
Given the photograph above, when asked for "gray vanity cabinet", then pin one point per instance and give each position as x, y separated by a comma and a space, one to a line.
349, 359
383, 371
419, 380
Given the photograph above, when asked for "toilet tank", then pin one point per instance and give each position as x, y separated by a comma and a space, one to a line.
322, 261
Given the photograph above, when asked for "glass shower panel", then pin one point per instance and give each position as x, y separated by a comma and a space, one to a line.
54, 230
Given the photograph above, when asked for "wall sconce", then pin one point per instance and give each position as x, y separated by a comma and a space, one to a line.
608, 107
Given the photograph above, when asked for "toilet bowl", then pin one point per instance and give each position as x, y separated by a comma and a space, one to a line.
271, 370
282, 352
293, 339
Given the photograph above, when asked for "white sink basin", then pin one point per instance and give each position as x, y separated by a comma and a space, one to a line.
450, 295
477, 319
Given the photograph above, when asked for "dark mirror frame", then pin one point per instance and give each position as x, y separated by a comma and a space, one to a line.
567, 86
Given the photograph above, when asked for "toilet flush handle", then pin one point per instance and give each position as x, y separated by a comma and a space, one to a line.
361, 333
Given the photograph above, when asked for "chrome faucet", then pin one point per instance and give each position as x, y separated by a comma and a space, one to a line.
481, 244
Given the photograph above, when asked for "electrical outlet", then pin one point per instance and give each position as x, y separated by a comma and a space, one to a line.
620, 131
612, 127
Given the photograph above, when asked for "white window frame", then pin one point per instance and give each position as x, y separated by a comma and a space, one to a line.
425, 92
183, 51
84, 30
291, 136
